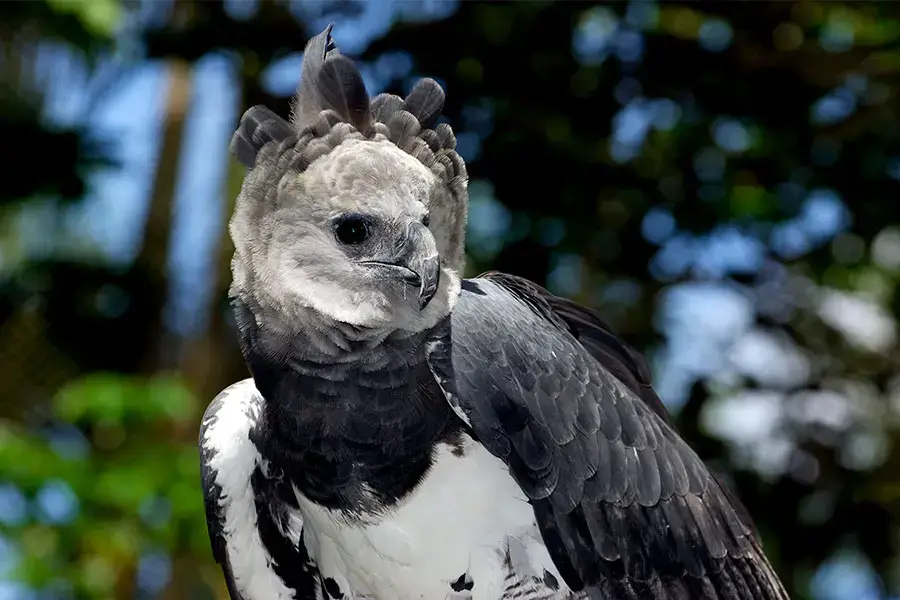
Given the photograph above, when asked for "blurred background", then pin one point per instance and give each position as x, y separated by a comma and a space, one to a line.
721, 180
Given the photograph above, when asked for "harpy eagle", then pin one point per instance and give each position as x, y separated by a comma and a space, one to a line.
407, 434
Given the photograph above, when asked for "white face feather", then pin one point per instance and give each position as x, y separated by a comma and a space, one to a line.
296, 260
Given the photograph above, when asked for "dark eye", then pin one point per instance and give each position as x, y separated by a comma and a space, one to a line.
352, 230
426, 220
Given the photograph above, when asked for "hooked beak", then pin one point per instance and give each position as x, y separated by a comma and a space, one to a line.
417, 263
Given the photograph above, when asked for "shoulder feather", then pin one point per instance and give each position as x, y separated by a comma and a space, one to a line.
625, 507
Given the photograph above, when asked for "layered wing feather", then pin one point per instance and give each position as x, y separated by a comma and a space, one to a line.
625, 507
251, 513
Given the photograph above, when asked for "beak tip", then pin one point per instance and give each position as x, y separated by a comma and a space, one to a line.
425, 299
430, 278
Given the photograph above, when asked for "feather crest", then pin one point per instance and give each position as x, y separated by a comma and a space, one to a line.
258, 127
426, 101
332, 105
330, 81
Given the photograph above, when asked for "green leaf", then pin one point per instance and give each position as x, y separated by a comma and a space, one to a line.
109, 397
28, 461
100, 17
748, 200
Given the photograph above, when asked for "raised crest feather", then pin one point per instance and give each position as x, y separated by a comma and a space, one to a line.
258, 127
426, 101
330, 81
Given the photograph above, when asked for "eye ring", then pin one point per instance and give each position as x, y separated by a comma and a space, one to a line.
351, 230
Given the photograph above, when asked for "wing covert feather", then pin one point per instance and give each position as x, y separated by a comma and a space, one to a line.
212, 495
624, 505
252, 513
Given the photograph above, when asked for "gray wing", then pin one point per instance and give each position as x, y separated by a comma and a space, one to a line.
625, 507
251, 514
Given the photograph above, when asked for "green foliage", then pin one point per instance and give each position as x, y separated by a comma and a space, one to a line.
136, 482
100, 17
115, 398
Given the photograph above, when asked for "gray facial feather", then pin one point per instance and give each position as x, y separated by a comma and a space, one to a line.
387, 160
288, 260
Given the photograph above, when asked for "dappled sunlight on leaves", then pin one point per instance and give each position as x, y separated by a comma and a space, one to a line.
114, 502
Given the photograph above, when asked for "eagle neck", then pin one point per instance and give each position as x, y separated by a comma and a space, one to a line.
355, 432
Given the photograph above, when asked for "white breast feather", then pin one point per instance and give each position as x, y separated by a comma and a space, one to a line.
234, 460
461, 519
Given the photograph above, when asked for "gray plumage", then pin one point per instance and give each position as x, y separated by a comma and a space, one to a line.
408, 434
